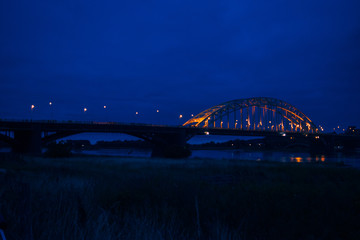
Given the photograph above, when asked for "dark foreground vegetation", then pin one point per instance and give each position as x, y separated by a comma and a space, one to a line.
118, 198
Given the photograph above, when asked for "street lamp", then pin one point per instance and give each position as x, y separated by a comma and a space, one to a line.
32, 107
51, 112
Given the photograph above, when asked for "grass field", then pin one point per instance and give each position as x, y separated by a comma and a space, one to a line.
134, 198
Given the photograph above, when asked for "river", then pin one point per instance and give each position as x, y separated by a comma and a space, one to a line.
275, 156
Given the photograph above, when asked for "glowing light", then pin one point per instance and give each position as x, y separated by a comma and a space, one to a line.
137, 113
50, 103
180, 116
104, 107
157, 110
317, 137
32, 107
206, 133
291, 114
85, 109
192, 115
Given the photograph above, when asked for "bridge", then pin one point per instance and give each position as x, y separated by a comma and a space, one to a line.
264, 114
266, 117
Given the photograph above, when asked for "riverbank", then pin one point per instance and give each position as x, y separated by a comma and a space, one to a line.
143, 198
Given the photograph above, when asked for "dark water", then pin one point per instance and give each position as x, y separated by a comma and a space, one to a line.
130, 152
278, 156
300, 157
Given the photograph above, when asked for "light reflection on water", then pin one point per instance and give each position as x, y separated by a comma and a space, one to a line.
296, 157
278, 156
317, 158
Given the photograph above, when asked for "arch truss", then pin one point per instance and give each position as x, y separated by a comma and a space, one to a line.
260, 113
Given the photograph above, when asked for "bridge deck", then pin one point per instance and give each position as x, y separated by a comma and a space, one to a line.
129, 128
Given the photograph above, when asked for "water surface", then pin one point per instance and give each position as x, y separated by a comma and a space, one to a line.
275, 156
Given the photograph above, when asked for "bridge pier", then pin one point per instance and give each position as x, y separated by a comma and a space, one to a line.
170, 146
317, 146
27, 141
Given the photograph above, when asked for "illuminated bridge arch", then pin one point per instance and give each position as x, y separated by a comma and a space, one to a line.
260, 113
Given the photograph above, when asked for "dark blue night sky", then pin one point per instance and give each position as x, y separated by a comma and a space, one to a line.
180, 57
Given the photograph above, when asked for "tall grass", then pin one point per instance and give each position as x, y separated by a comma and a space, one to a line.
111, 198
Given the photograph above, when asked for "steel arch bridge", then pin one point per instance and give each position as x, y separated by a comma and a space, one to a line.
259, 113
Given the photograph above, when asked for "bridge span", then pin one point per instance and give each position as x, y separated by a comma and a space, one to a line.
30, 136
265, 117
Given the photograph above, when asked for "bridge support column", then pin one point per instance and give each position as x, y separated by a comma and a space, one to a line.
170, 146
28, 142
322, 144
